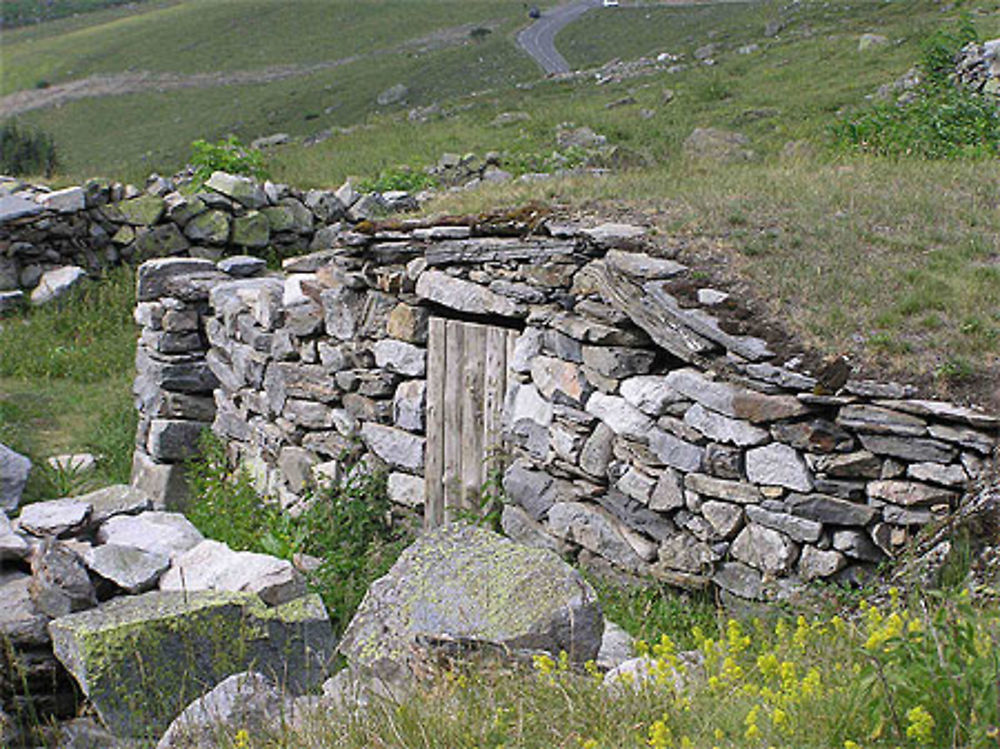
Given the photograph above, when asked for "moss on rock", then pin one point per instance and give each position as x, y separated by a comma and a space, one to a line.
141, 659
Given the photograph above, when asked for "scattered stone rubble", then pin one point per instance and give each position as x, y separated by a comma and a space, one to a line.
78, 574
645, 429
978, 66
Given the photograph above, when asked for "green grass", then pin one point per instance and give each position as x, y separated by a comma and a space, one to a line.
346, 525
921, 674
853, 257
153, 130
65, 378
228, 35
22, 12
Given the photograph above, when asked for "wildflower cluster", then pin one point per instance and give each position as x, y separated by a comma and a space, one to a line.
897, 674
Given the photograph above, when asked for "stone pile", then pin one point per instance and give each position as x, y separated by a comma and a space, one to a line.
49, 240
978, 66
78, 572
468, 170
646, 428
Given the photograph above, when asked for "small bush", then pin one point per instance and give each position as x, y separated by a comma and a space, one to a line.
228, 155
26, 152
942, 121
347, 525
401, 178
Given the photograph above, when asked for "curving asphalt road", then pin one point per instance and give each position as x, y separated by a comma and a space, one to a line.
538, 40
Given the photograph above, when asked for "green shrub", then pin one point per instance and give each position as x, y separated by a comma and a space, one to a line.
400, 178
228, 155
931, 673
26, 152
648, 611
939, 49
943, 120
347, 525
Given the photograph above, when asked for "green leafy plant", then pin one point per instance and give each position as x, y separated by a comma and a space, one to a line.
26, 152
400, 178
954, 368
932, 671
943, 120
489, 508
229, 155
346, 524
66, 479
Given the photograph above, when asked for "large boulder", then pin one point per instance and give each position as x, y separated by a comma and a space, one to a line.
14, 470
718, 145
142, 659
469, 585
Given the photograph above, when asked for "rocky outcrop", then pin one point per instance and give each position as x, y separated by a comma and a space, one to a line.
977, 65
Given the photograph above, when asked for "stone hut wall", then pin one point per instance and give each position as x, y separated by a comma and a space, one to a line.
641, 432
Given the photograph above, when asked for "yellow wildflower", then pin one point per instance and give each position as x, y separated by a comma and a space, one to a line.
921, 727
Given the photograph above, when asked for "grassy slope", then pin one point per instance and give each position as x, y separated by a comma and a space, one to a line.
132, 134
15, 13
888, 261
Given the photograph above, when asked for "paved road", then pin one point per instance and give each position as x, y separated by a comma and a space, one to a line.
538, 40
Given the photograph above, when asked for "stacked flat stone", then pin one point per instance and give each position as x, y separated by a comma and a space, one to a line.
101, 224
642, 432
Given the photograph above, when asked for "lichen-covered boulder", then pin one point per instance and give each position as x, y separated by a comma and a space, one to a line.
467, 584
140, 660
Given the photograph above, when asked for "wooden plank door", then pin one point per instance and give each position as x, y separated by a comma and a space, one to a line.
466, 383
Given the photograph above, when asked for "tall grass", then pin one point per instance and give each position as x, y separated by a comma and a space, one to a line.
65, 379
917, 674
346, 525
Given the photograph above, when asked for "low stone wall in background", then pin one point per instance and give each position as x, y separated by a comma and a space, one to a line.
645, 430
51, 239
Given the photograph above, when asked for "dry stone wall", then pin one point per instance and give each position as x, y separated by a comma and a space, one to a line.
50, 239
645, 430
